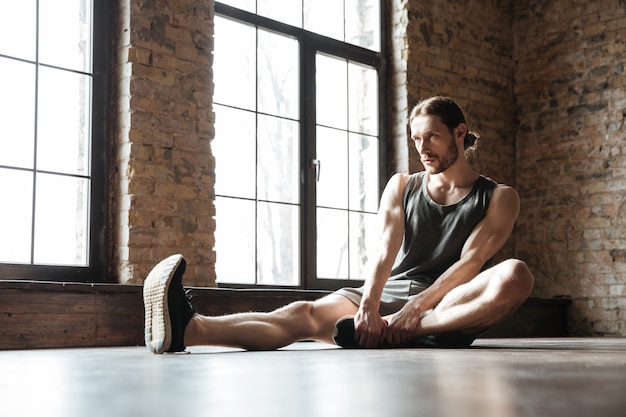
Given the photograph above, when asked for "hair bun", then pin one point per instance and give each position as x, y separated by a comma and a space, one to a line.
470, 140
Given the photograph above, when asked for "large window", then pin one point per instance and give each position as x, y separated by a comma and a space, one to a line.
299, 93
52, 87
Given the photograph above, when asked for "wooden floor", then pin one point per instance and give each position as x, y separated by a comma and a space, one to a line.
496, 377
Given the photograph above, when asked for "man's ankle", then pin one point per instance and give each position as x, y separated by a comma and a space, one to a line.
191, 331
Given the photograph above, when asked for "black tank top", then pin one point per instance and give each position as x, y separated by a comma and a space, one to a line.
434, 234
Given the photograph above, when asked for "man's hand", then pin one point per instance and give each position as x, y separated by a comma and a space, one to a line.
370, 330
402, 325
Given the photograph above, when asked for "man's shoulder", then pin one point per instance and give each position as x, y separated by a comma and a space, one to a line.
499, 187
504, 189
407, 183
402, 178
505, 200
406, 176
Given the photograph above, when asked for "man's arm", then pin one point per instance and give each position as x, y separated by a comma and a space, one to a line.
370, 329
483, 243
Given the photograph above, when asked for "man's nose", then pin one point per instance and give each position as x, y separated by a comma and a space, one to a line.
421, 146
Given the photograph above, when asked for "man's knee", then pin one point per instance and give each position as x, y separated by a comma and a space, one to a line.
515, 281
303, 315
316, 319
300, 309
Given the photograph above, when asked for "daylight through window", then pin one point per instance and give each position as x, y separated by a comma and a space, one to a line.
45, 131
298, 92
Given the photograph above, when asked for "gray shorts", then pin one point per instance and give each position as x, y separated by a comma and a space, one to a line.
395, 294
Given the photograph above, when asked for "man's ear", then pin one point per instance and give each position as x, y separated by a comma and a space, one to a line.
459, 132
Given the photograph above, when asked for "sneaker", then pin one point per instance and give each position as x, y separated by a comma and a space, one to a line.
344, 337
168, 309
344, 333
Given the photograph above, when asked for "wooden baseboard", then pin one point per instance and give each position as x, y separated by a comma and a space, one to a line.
62, 315
537, 317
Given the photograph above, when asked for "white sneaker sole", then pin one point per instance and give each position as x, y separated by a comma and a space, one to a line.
158, 327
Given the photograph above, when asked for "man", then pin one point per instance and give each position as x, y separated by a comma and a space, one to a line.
429, 283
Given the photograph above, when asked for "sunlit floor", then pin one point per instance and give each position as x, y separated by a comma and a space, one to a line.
496, 377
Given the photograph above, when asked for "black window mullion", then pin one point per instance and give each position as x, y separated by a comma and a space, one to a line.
256, 155
35, 135
308, 141
99, 251
347, 210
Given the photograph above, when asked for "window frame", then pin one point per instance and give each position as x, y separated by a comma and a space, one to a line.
310, 44
95, 271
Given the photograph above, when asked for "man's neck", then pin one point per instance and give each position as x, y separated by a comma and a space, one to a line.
452, 184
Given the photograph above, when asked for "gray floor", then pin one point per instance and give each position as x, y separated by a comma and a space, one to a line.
496, 377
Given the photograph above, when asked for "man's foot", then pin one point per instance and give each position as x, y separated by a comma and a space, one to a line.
344, 333
167, 307
344, 337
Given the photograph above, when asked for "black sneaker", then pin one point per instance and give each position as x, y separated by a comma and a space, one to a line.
344, 333
167, 306
344, 337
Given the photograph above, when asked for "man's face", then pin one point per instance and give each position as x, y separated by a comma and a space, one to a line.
434, 142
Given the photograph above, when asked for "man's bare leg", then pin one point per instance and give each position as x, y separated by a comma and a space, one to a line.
481, 303
172, 323
301, 320
465, 311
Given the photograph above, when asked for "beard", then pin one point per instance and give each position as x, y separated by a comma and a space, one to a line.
444, 162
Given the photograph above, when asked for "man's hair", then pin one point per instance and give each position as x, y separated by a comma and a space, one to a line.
450, 114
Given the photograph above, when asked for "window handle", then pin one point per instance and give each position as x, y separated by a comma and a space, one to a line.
317, 164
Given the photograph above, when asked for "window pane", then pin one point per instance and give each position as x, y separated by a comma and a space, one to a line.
331, 91
279, 160
63, 121
16, 191
234, 149
332, 154
234, 241
278, 75
286, 11
363, 173
61, 220
324, 17
278, 246
18, 30
45, 114
247, 5
345, 139
234, 66
65, 33
363, 240
17, 113
363, 23
332, 244
363, 93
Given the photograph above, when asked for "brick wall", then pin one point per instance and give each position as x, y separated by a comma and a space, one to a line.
462, 50
542, 82
571, 156
162, 198
399, 106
